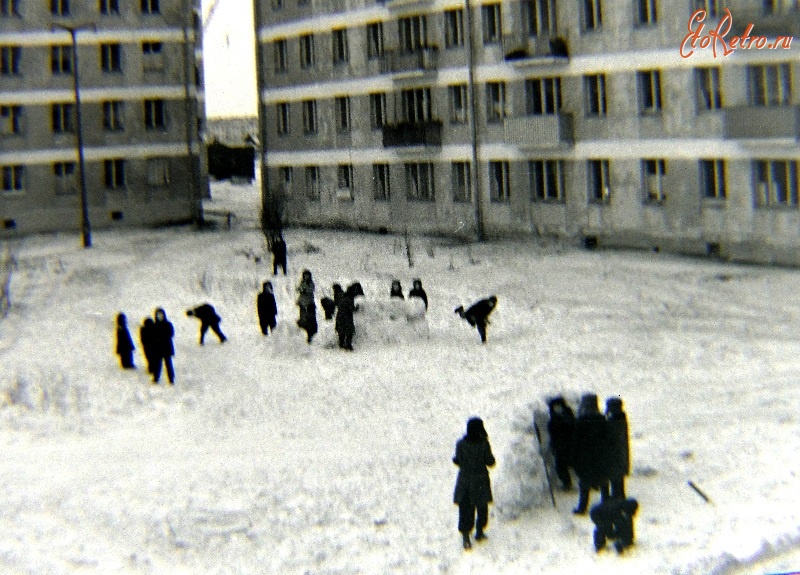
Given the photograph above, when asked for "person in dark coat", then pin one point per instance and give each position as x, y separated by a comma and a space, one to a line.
396, 291
473, 491
307, 308
163, 350
146, 338
417, 291
613, 519
329, 304
478, 314
278, 255
124, 343
560, 428
589, 451
267, 309
208, 319
619, 459
345, 326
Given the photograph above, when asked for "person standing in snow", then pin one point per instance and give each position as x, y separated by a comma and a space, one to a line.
307, 308
396, 291
473, 491
478, 314
278, 254
208, 319
590, 451
417, 291
619, 459
613, 519
124, 343
163, 349
560, 428
146, 337
345, 326
267, 308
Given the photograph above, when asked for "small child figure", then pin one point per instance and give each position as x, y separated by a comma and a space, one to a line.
124, 343
613, 519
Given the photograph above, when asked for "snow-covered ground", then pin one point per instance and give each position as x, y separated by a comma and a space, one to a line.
271, 456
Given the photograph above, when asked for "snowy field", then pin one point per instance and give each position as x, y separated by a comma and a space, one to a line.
269, 456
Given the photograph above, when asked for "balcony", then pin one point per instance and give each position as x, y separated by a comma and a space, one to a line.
522, 49
419, 61
784, 24
537, 132
406, 134
748, 122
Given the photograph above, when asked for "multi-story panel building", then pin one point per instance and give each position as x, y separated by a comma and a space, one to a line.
583, 119
141, 116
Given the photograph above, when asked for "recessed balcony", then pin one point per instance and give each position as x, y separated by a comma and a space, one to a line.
415, 62
757, 122
546, 131
407, 134
521, 49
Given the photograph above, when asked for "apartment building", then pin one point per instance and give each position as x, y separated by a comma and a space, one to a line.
138, 65
590, 120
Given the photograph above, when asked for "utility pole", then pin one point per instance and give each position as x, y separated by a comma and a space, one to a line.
267, 202
473, 124
86, 230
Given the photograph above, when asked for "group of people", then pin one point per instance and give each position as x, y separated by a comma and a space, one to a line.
155, 335
596, 447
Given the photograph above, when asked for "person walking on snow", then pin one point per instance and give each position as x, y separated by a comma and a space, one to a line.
146, 338
306, 306
590, 452
267, 309
163, 349
560, 428
417, 291
208, 319
473, 491
619, 458
478, 314
345, 325
124, 343
278, 254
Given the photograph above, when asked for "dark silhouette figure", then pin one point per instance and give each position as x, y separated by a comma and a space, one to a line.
124, 343
560, 428
473, 491
396, 290
267, 308
613, 519
478, 314
345, 326
163, 350
329, 304
417, 291
307, 308
278, 255
619, 459
146, 337
208, 319
590, 451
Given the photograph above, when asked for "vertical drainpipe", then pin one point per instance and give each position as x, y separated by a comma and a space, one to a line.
262, 120
473, 124
190, 107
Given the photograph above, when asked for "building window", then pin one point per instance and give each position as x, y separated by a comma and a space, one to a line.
155, 115
9, 60
599, 181
313, 183
110, 58
280, 48
310, 117
419, 182
59, 7
64, 173
492, 23
417, 105
546, 180
542, 96
712, 179
649, 91
380, 182
595, 89
457, 96
708, 92
344, 179
282, 109
108, 7
495, 101
412, 34
307, 51
538, 17
9, 8
499, 185
713, 8
375, 40
645, 12
462, 184
769, 85
377, 110
62, 118
150, 6
286, 177
277, 4
152, 56
113, 113
158, 172
454, 28
61, 59
10, 120
342, 106
770, 6
653, 172
114, 174
12, 178
775, 183
592, 15
341, 51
